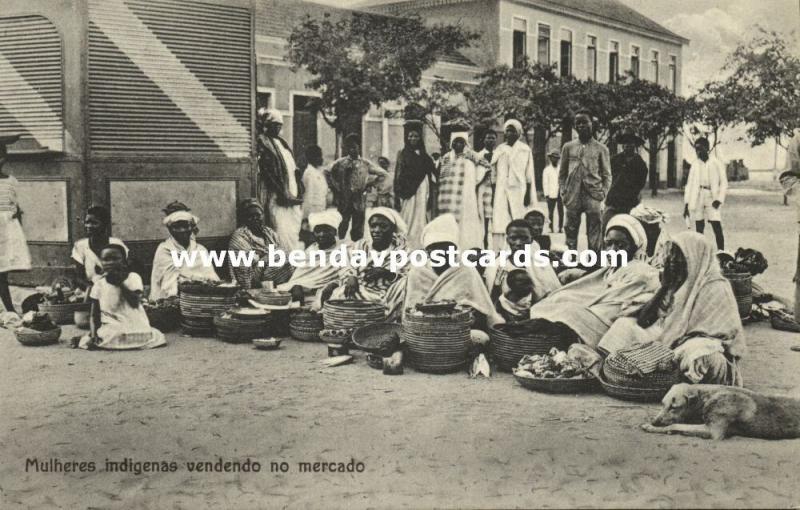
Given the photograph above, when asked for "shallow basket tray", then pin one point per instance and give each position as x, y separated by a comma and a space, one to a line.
633, 394
38, 338
378, 338
64, 313
304, 334
555, 385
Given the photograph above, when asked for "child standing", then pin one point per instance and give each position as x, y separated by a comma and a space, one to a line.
118, 320
14, 254
551, 190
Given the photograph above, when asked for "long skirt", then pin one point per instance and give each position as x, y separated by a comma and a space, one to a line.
415, 213
14, 254
287, 221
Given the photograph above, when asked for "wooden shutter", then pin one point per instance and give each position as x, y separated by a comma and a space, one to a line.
170, 76
31, 84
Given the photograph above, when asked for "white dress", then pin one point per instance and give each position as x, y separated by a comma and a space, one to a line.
82, 254
415, 213
123, 327
14, 254
287, 220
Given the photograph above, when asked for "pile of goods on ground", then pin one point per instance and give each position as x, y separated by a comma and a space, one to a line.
559, 371
37, 329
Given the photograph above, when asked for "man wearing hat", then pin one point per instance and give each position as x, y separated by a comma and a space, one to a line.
628, 177
551, 190
279, 186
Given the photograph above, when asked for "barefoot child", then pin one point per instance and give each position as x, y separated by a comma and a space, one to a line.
14, 254
118, 320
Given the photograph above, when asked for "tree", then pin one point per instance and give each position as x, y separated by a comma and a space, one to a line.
714, 107
656, 114
765, 78
441, 100
362, 60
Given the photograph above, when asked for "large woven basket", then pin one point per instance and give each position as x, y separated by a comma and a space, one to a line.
305, 325
742, 285
198, 311
164, 319
239, 330
615, 373
437, 343
508, 349
350, 314
33, 338
65, 313
382, 338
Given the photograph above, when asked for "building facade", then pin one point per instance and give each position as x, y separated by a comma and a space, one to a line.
588, 39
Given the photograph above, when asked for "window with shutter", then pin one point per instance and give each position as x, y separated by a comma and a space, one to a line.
169, 77
31, 83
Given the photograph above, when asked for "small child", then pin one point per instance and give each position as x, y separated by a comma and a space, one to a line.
118, 320
515, 303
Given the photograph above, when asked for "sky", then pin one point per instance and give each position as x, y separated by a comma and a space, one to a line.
715, 28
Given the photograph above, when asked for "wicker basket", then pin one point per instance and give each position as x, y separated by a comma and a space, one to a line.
556, 385
617, 374
350, 314
742, 285
198, 311
342, 336
276, 298
635, 394
65, 313
33, 338
238, 330
164, 319
507, 350
381, 338
437, 343
305, 325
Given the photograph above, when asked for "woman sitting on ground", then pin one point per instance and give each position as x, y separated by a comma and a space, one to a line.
653, 222
694, 313
426, 284
86, 251
386, 233
253, 236
118, 320
309, 282
182, 227
591, 304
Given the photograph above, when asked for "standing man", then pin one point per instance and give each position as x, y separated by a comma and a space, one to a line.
350, 177
516, 185
628, 177
584, 178
705, 191
551, 191
790, 180
279, 187
487, 185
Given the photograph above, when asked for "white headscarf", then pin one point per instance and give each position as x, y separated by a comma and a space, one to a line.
272, 116
391, 215
443, 229
648, 214
515, 124
459, 134
329, 217
179, 216
632, 226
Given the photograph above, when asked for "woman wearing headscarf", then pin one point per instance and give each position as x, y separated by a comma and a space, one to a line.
591, 304
386, 233
182, 227
653, 222
694, 313
516, 185
461, 173
460, 283
254, 237
311, 284
413, 176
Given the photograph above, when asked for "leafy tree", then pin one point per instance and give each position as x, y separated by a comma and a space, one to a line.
441, 100
714, 107
359, 60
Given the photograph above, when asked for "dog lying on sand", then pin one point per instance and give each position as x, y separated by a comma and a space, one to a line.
713, 411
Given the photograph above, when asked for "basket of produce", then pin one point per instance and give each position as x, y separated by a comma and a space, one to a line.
233, 327
382, 338
37, 329
270, 298
742, 285
163, 314
510, 342
201, 301
555, 372
60, 301
305, 325
437, 343
336, 336
350, 314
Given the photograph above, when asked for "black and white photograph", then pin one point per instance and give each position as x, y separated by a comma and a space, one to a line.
389, 254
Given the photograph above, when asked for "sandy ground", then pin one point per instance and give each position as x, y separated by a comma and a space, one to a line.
424, 441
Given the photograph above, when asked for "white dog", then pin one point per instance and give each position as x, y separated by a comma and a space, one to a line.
713, 411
